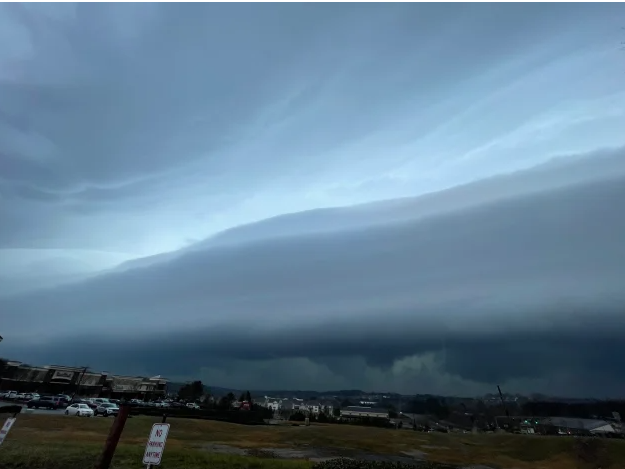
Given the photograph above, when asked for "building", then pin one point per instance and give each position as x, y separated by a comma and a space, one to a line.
57, 379
363, 412
132, 387
286, 405
575, 426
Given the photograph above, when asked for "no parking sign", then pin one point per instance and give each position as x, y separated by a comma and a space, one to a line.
156, 444
8, 423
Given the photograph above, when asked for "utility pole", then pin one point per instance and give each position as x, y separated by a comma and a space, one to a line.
79, 382
504, 405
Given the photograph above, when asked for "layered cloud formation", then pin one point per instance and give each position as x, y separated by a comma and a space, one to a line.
311, 196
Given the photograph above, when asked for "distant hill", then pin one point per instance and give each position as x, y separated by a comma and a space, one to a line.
220, 391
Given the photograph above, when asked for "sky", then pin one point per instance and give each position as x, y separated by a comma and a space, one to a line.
397, 197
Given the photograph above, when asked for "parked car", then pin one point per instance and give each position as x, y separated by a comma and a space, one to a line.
91, 403
45, 402
9, 395
65, 399
106, 409
79, 410
192, 405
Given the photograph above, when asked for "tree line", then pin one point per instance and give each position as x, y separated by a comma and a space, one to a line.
195, 391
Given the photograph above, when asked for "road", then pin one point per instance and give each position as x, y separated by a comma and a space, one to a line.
33, 411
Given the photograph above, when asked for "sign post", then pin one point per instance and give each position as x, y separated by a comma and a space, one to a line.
111, 442
8, 423
156, 445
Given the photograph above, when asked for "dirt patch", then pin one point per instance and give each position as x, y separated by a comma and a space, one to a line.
223, 449
316, 454
412, 457
416, 454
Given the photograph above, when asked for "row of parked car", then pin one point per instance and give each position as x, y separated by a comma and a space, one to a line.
18, 396
164, 404
99, 405
73, 406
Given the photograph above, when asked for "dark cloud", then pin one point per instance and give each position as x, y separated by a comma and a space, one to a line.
518, 290
230, 191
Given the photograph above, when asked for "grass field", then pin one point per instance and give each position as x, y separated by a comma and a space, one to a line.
59, 442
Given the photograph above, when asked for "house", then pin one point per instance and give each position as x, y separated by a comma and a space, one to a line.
275, 403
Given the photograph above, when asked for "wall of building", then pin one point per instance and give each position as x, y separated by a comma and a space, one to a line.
55, 379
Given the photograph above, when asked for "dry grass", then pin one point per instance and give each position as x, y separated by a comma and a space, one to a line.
16, 455
84, 438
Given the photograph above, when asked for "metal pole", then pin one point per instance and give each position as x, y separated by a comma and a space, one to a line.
111, 442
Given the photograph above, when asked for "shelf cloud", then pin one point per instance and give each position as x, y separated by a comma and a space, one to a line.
316, 196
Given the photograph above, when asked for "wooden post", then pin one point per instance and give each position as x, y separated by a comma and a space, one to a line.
111, 442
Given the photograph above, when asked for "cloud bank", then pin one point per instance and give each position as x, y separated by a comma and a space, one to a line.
313, 196
528, 287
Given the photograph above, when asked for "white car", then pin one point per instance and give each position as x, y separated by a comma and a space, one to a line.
107, 409
79, 410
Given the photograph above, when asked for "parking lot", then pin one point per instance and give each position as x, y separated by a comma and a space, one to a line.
32, 411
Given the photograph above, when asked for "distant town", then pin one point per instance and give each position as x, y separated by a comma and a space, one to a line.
494, 412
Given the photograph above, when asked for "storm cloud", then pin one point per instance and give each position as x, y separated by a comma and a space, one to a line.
316, 196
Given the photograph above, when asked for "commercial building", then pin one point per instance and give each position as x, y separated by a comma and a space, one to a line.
57, 379
362, 412
575, 426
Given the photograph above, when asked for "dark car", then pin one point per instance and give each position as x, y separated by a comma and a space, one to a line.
45, 402
65, 399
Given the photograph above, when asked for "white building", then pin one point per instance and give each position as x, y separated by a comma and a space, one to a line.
567, 424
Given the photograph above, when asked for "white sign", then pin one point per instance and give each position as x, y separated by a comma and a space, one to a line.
123, 387
156, 444
8, 423
63, 375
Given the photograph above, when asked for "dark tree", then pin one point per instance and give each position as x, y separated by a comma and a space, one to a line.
297, 417
434, 407
191, 391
